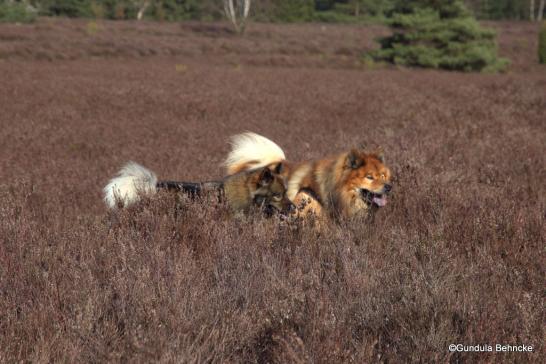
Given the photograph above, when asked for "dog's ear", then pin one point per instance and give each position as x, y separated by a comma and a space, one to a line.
279, 168
380, 154
266, 177
354, 160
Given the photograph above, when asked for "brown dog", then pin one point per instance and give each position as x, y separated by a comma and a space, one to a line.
260, 187
343, 185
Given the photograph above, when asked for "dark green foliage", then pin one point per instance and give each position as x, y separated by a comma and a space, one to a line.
322, 5
439, 34
343, 11
294, 10
505, 9
376, 8
169, 10
283, 10
330, 16
115, 9
69, 8
16, 12
445, 8
173, 10
542, 44
352, 11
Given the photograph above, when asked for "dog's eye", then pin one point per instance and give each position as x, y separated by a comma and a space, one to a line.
277, 196
369, 176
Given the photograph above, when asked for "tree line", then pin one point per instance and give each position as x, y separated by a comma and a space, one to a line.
260, 10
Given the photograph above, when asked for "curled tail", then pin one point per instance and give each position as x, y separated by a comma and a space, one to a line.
132, 180
250, 151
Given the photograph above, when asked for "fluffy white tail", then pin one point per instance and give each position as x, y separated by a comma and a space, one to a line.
132, 180
249, 151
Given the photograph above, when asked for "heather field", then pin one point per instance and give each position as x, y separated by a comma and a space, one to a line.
456, 257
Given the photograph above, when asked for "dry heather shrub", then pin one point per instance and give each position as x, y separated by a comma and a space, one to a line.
456, 257
174, 280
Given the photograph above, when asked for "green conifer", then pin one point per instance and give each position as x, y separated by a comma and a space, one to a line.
439, 34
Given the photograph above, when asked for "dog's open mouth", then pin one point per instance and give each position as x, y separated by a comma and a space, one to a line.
378, 199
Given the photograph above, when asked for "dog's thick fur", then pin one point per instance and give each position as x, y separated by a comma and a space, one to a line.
258, 187
344, 185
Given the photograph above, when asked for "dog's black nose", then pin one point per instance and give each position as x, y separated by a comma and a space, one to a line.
387, 188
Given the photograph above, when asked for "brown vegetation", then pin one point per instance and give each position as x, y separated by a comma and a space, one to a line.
456, 257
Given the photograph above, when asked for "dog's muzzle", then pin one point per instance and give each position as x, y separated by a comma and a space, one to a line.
377, 199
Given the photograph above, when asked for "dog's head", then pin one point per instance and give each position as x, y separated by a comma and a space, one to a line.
270, 191
368, 177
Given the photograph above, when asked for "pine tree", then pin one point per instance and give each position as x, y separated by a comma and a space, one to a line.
439, 34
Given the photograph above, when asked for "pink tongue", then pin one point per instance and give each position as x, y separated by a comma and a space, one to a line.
380, 201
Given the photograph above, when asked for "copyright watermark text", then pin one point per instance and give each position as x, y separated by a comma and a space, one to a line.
486, 348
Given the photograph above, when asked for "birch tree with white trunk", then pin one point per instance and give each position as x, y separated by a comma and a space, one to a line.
237, 12
143, 6
540, 10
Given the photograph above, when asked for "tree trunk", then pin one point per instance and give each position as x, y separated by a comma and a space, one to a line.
540, 10
229, 9
142, 9
357, 8
237, 13
532, 10
247, 8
